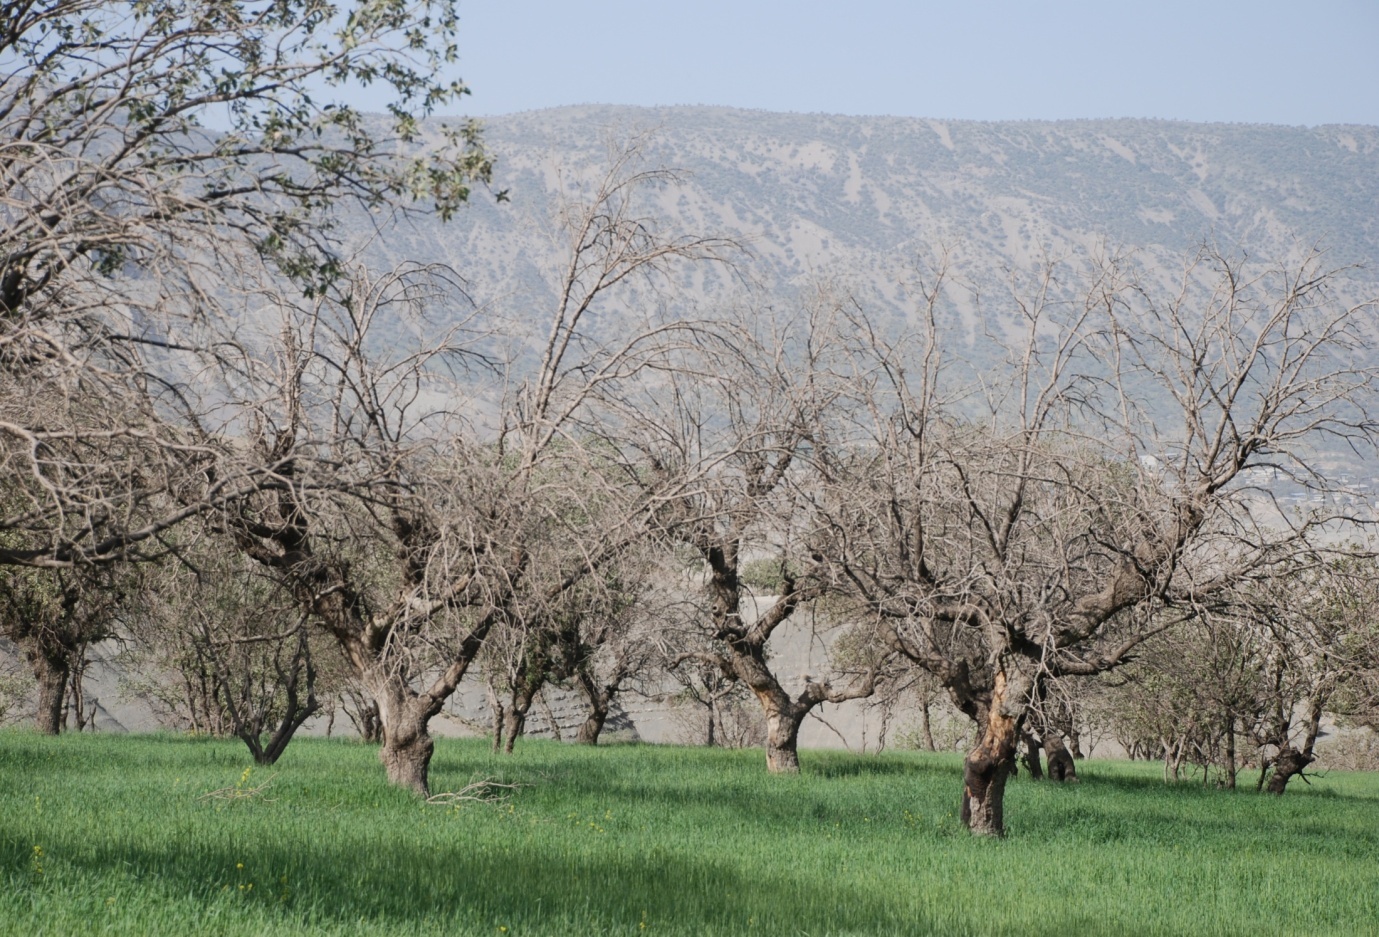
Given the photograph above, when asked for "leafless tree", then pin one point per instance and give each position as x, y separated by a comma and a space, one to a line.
219, 647
597, 637
752, 421
412, 518
1050, 523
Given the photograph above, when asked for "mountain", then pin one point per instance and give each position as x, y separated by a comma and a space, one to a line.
862, 197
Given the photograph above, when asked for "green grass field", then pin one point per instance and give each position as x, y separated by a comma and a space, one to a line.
111, 835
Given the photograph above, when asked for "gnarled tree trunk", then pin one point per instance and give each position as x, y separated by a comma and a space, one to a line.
989, 764
782, 737
1290, 761
1288, 764
407, 745
515, 718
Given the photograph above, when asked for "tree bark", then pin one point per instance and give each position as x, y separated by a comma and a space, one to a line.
782, 739
515, 719
1061, 765
600, 700
1229, 781
514, 722
592, 726
989, 764
52, 673
1031, 758
1287, 765
407, 745
925, 727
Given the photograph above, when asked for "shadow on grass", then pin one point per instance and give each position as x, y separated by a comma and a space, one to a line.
523, 889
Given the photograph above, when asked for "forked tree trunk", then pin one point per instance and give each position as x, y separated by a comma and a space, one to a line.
514, 722
989, 763
782, 738
515, 719
600, 701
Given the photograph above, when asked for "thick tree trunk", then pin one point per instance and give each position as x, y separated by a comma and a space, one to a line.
1061, 766
593, 725
989, 764
52, 675
407, 745
782, 739
1287, 765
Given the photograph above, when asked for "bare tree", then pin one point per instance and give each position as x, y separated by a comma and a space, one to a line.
411, 528
1051, 523
752, 422
219, 647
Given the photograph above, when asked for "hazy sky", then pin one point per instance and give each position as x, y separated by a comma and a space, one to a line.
1271, 61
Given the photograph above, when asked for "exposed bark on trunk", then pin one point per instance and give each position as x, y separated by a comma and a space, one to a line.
1061, 766
989, 764
782, 739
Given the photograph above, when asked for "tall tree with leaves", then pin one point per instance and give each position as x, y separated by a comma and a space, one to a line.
147, 147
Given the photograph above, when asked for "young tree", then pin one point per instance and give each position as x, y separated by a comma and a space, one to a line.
222, 648
1052, 523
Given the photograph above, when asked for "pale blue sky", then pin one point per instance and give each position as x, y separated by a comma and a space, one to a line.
1270, 61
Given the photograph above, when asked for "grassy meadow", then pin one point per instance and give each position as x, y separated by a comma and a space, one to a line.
113, 835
